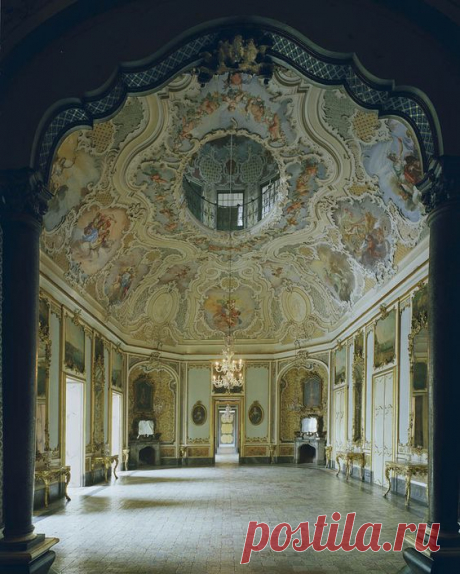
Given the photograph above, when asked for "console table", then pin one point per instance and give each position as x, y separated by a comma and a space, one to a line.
107, 462
125, 458
349, 457
49, 475
408, 469
328, 453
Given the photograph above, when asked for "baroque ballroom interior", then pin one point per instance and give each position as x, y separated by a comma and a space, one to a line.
176, 181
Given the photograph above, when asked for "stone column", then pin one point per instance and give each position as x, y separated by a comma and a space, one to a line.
441, 196
23, 200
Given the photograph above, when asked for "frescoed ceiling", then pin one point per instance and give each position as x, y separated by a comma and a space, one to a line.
347, 215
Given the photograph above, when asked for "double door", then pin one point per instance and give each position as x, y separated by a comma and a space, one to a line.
227, 426
227, 430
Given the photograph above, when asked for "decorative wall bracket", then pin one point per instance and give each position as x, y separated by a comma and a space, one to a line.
76, 319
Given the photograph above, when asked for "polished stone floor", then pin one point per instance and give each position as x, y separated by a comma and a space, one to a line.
194, 520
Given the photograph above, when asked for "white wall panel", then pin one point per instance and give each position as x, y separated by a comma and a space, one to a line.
339, 419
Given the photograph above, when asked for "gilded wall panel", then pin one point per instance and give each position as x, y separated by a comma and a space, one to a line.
286, 450
257, 439
197, 451
297, 404
255, 451
168, 452
152, 396
98, 390
198, 440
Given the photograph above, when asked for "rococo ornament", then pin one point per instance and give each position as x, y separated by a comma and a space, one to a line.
237, 55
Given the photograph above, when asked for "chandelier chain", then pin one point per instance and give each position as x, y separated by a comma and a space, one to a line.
229, 371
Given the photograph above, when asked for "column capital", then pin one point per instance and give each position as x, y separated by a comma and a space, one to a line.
23, 194
442, 183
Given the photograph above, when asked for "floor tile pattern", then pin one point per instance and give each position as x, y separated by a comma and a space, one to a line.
194, 521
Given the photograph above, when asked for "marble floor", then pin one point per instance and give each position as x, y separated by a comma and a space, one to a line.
194, 520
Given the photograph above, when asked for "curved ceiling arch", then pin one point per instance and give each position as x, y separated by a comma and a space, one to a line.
288, 47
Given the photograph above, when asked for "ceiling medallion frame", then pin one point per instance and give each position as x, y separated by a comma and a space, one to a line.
240, 236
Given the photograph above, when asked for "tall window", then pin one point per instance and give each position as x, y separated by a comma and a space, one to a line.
230, 211
268, 193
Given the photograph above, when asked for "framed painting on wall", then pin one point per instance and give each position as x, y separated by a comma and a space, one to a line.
199, 414
44, 349
117, 369
98, 350
40, 423
312, 391
143, 395
42, 379
43, 317
340, 366
256, 413
359, 344
420, 306
74, 359
385, 340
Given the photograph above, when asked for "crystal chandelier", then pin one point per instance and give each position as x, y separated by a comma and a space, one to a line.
229, 371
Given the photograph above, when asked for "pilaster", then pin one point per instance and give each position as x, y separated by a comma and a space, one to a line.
23, 202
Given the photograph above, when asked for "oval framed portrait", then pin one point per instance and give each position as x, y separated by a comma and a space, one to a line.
256, 413
199, 414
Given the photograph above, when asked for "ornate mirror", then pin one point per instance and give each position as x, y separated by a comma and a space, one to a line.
418, 353
358, 378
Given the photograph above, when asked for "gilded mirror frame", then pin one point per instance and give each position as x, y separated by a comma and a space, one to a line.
42, 446
358, 368
419, 323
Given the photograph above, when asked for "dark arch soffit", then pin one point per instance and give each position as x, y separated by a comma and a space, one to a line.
289, 48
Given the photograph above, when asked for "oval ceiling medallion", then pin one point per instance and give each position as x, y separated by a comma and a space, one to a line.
162, 308
296, 306
231, 183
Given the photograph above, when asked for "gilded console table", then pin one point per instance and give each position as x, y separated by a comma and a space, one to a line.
49, 475
106, 462
328, 453
125, 458
408, 469
349, 457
